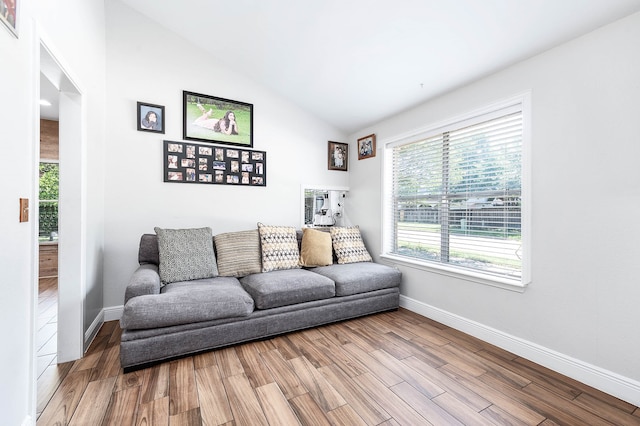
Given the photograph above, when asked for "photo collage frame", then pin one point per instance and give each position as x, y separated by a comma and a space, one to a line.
189, 162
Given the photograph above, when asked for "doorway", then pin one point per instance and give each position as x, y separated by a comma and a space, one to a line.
68, 297
46, 343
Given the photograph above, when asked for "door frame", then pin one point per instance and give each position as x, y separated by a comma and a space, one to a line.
71, 202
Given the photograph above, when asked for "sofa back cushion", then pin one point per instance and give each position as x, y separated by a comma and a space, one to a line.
148, 250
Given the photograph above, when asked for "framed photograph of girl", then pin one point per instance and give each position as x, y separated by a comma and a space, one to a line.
338, 156
150, 117
367, 147
9, 15
217, 120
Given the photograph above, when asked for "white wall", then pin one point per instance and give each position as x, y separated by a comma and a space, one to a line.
84, 59
147, 63
583, 300
18, 107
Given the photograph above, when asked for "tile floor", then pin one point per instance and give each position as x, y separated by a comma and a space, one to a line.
47, 340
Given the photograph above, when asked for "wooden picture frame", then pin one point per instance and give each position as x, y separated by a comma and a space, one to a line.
338, 156
217, 120
367, 147
150, 117
9, 10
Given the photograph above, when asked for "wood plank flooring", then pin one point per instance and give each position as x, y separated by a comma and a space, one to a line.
395, 368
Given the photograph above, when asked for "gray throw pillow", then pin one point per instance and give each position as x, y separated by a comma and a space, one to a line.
186, 254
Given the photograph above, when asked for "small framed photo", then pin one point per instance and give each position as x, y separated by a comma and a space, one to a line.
367, 147
217, 120
150, 117
338, 156
9, 15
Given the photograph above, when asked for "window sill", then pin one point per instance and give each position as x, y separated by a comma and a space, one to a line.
479, 278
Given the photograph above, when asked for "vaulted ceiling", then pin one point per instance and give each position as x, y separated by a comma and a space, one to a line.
353, 62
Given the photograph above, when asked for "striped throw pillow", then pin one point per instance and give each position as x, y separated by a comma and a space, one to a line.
238, 253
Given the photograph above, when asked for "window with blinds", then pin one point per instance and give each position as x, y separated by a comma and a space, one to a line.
454, 196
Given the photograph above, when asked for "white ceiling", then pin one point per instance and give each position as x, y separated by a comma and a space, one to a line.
353, 62
49, 93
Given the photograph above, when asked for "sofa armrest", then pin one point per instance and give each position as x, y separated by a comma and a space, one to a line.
145, 280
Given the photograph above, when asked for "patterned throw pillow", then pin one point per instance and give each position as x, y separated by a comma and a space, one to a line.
186, 254
279, 247
316, 248
348, 245
238, 253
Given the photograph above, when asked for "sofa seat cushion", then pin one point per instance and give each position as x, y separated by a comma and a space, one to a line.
287, 287
361, 277
187, 302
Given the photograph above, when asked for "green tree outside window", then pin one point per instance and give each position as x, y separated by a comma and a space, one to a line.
48, 198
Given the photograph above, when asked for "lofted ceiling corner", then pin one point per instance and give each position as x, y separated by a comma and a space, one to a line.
353, 62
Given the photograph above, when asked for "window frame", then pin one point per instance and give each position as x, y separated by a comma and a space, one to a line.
520, 102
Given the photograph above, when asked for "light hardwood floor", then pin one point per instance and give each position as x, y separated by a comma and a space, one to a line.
395, 368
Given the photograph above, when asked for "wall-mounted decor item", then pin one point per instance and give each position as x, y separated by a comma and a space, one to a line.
150, 117
189, 162
338, 156
9, 15
367, 147
218, 120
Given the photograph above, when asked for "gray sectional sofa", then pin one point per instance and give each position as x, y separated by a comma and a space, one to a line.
162, 321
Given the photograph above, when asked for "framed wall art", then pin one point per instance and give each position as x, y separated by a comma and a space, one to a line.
150, 117
367, 147
338, 156
189, 162
9, 15
217, 120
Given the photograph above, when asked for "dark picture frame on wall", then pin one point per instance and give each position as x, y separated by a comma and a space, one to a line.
190, 162
9, 15
338, 156
217, 120
367, 147
150, 117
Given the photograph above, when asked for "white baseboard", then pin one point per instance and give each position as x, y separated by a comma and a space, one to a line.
28, 421
113, 313
607, 381
91, 332
106, 314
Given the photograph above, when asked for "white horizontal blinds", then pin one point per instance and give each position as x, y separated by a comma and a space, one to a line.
457, 196
484, 193
417, 185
